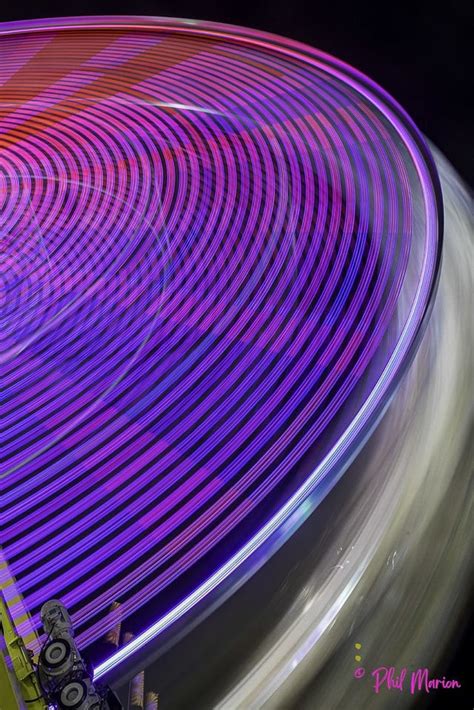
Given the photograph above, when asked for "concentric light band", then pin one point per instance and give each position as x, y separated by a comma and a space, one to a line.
218, 249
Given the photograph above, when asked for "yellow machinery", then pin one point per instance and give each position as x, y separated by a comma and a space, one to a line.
19, 685
59, 675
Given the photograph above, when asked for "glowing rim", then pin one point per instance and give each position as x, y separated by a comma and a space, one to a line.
291, 513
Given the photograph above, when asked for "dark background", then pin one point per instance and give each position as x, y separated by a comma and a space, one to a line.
418, 53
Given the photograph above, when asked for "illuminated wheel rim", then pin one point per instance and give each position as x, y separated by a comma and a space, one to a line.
219, 250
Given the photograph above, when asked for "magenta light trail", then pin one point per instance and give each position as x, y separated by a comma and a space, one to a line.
218, 251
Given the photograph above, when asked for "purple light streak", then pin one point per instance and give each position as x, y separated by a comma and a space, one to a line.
206, 233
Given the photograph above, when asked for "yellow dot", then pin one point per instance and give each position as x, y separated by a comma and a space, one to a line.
358, 658
358, 645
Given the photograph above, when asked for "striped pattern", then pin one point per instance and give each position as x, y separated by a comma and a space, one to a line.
211, 263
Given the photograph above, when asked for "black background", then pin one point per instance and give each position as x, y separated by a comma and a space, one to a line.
419, 53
